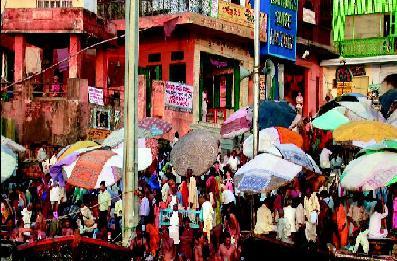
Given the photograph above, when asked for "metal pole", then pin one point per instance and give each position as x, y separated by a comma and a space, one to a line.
130, 171
256, 76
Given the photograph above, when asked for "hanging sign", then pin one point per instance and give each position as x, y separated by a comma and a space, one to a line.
281, 29
179, 97
237, 14
95, 95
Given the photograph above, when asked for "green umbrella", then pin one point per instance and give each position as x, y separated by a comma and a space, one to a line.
330, 120
394, 180
386, 145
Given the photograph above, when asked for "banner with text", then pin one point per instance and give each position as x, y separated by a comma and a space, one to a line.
95, 95
179, 97
239, 15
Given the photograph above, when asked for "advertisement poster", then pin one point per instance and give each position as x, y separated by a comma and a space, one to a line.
95, 95
179, 97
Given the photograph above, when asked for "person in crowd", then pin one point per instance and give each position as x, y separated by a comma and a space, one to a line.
228, 251
167, 246
341, 231
144, 209
193, 191
174, 225
325, 163
233, 162
278, 203
324, 221
175, 140
88, 224
375, 221
226, 157
53, 226
165, 189
198, 246
290, 216
283, 228
362, 239
213, 189
139, 245
40, 225
185, 192
311, 203
104, 202
228, 181
208, 213
66, 229
356, 215
153, 236
232, 225
299, 214
118, 214
55, 196
186, 241
264, 223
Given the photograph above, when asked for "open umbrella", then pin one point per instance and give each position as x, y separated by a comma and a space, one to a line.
9, 162
386, 145
275, 114
196, 150
117, 137
370, 171
272, 136
327, 107
144, 156
237, 123
364, 131
12, 144
330, 120
78, 146
265, 172
362, 110
156, 126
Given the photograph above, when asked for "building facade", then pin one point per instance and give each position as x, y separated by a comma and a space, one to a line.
364, 33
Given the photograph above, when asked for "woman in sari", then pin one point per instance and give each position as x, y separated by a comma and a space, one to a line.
342, 230
213, 185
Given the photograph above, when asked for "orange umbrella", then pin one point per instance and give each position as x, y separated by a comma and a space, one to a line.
287, 136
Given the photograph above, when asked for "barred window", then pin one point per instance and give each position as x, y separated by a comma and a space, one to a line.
54, 3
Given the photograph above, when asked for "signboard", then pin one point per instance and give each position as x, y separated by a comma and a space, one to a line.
95, 95
239, 15
309, 16
158, 88
97, 134
262, 87
344, 87
179, 97
281, 28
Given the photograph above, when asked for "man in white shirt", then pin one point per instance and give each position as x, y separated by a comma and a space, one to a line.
324, 159
208, 212
290, 215
144, 209
233, 161
104, 202
227, 197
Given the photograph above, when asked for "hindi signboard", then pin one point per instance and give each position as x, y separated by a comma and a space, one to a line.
239, 15
95, 95
344, 87
97, 134
178, 97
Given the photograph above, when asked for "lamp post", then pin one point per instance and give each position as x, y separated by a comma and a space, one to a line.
256, 76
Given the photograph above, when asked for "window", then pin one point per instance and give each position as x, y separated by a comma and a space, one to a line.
386, 26
54, 3
178, 72
364, 26
101, 119
154, 57
177, 56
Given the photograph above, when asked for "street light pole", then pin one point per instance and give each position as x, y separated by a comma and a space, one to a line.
256, 76
130, 170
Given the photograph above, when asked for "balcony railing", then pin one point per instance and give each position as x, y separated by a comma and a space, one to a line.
156, 7
367, 47
48, 90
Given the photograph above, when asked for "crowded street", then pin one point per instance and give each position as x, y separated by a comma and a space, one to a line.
204, 130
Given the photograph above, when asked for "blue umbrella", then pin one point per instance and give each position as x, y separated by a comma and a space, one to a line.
296, 155
275, 114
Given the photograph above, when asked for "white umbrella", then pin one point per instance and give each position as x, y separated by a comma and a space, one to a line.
265, 171
144, 156
12, 144
8, 162
370, 171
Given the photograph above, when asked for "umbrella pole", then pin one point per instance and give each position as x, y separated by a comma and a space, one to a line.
256, 76
130, 170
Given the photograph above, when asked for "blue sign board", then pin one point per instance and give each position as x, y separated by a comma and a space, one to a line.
281, 28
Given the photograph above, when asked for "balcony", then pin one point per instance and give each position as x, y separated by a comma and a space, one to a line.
156, 7
367, 47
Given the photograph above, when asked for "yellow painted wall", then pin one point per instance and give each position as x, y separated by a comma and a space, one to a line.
32, 3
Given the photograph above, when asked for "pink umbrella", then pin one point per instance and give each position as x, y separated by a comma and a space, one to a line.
237, 123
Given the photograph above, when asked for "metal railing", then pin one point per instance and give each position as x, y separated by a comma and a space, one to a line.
367, 47
195, 217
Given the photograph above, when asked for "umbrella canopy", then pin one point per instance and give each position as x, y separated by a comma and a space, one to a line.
272, 136
88, 169
116, 137
156, 126
387, 99
347, 98
330, 120
8, 162
370, 171
327, 107
237, 123
386, 145
275, 114
196, 150
391, 182
144, 156
264, 173
364, 131
362, 110
80, 145
12, 144
294, 154
354, 94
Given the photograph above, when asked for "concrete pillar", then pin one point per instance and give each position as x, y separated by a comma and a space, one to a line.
75, 61
280, 76
101, 72
19, 64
